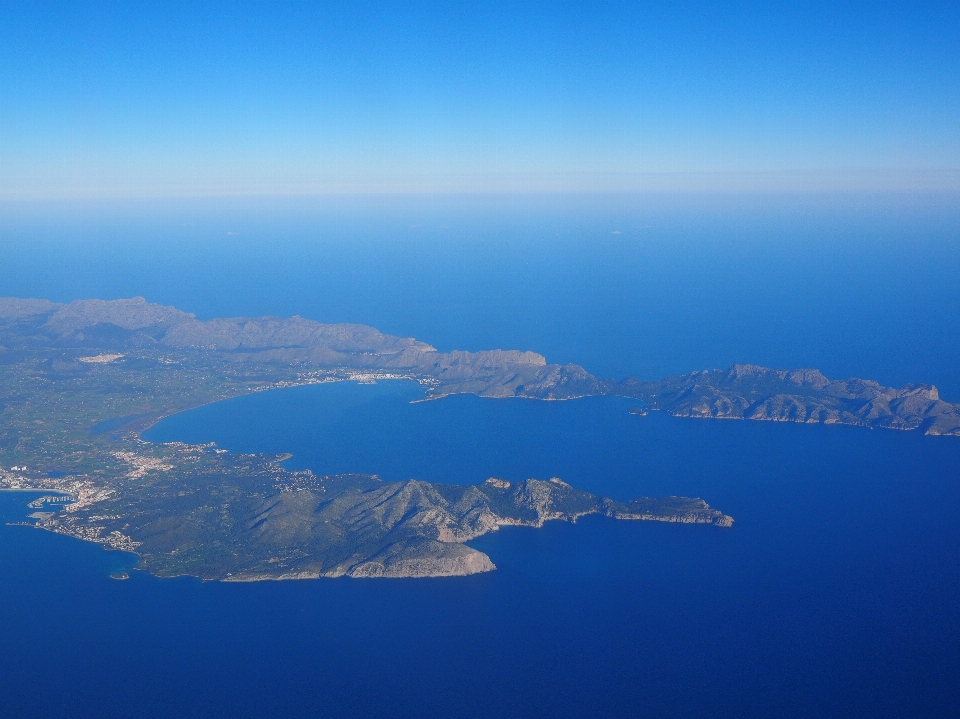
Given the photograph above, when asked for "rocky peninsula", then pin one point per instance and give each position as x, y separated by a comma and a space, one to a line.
807, 396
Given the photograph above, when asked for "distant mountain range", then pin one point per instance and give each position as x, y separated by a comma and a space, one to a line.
741, 392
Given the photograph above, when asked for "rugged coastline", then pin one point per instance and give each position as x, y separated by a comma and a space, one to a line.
82, 380
805, 396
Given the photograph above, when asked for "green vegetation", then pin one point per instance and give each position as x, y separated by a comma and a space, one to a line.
81, 381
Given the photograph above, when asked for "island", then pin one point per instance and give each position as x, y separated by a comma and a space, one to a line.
80, 382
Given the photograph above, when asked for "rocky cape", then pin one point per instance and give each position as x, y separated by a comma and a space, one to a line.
807, 396
360, 526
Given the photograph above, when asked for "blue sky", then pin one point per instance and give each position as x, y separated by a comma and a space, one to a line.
160, 99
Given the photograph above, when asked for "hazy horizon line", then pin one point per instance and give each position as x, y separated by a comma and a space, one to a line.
739, 182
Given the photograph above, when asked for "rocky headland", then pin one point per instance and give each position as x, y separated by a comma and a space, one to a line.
760, 393
360, 526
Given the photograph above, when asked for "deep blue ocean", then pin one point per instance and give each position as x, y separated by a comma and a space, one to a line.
835, 594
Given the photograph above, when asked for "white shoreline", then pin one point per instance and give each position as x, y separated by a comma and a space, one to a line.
35, 489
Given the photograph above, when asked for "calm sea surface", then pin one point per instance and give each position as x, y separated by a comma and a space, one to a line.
835, 594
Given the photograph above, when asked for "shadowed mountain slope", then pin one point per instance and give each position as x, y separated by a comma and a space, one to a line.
751, 392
